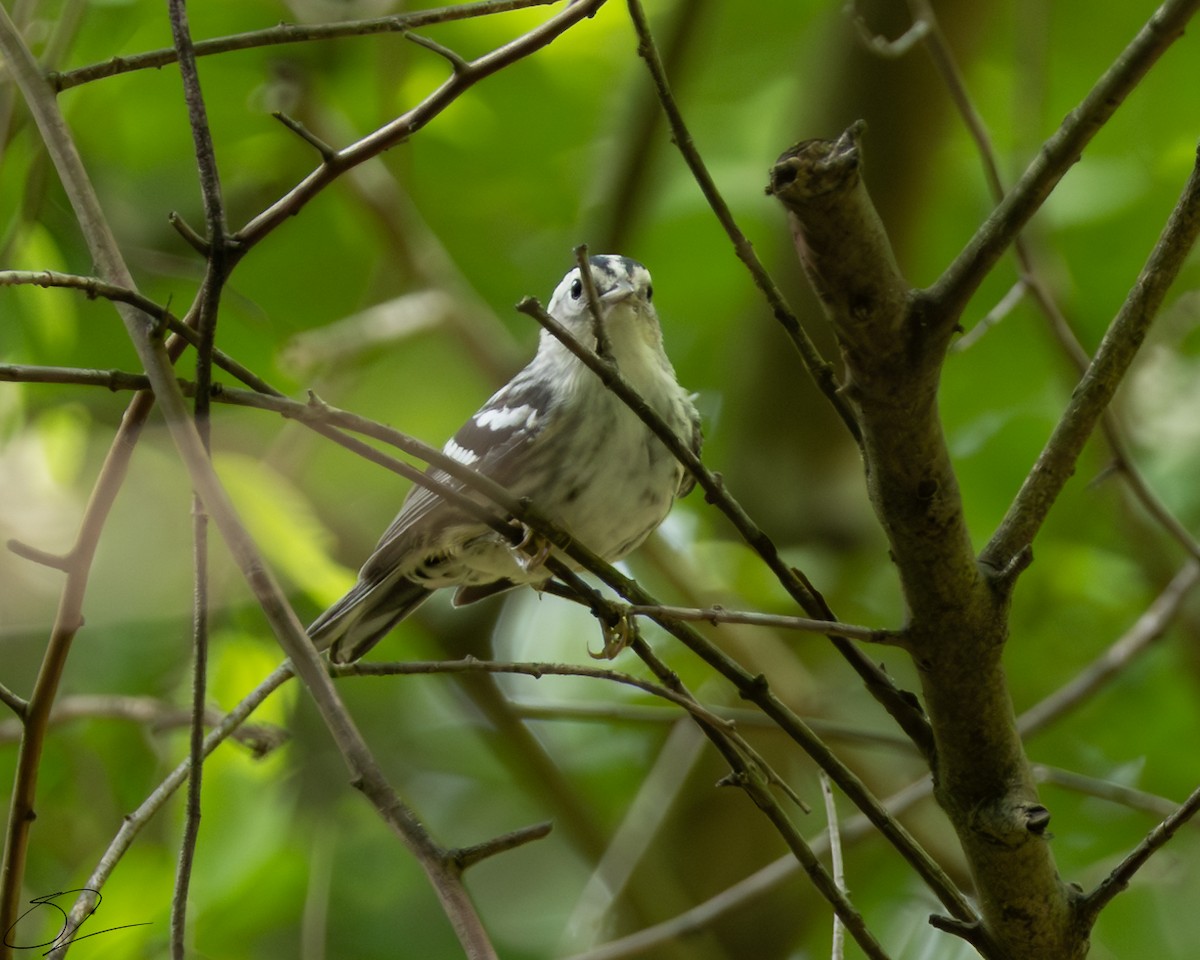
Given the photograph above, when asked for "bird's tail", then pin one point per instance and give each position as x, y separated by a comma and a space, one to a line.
358, 621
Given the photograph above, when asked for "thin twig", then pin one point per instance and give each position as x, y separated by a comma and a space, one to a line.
288, 33
838, 946
153, 714
1116, 793
15, 703
1090, 399
1122, 874
818, 367
717, 615
466, 857
599, 330
208, 301
404, 126
955, 286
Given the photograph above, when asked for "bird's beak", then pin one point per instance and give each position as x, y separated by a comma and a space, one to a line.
619, 293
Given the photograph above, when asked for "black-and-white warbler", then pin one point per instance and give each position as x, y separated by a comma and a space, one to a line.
554, 434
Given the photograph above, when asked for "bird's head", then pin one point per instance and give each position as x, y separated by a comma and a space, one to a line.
625, 294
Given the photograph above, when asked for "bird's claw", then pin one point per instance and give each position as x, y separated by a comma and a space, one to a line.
533, 550
617, 636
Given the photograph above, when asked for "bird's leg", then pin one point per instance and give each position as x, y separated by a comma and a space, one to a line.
533, 550
619, 631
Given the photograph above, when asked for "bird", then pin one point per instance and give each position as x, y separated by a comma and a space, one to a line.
554, 434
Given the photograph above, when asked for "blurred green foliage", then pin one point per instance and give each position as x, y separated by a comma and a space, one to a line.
486, 203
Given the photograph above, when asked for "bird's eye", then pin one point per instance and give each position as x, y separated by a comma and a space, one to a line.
576, 289
649, 293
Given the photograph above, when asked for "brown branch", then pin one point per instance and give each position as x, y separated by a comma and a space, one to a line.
288, 33
205, 313
365, 772
466, 857
404, 126
957, 619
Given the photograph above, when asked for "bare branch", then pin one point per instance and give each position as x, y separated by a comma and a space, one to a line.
155, 715
466, 857
404, 126
325, 150
457, 63
289, 33
16, 704
715, 615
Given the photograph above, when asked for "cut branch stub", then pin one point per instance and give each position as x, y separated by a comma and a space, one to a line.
841, 241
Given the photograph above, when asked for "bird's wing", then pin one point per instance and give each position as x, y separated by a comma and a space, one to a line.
497, 442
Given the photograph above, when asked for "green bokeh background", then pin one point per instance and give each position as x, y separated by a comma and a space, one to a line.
486, 204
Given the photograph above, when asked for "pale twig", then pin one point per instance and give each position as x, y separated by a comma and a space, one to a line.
838, 947
1005, 306
716, 614
1116, 793
151, 713
879, 45
706, 914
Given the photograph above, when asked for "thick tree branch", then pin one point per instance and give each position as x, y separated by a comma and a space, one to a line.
958, 620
